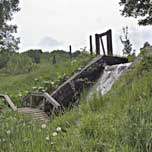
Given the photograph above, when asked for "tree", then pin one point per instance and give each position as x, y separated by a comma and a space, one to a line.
4, 58
7, 40
126, 42
141, 9
35, 55
54, 59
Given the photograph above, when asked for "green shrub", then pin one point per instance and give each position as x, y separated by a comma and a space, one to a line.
4, 58
19, 64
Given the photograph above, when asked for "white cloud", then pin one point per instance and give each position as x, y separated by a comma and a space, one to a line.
48, 42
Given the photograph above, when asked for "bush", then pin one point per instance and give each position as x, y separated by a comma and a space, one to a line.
19, 64
4, 57
35, 55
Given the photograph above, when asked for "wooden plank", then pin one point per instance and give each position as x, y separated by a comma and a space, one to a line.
103, 34
104, 53
97, 41
109, 42
35, 114
9, 101
51, 100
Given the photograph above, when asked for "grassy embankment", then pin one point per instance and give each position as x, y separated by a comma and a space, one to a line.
42, 75
121, 121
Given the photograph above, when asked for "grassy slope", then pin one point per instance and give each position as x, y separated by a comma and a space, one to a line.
17, 86
120, 121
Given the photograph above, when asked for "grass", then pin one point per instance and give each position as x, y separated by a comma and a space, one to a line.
121, 121
43, 76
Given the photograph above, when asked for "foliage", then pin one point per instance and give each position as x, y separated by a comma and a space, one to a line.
54, 60
147, 61
119, 121
3, 105
18, 64
4, 57
35, 55
138, 8
22, 76
126, 42
7, 40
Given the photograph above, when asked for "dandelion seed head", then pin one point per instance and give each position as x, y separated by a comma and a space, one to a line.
8, 132
47, 138
54, 134
58, 129
43, 126
52, 143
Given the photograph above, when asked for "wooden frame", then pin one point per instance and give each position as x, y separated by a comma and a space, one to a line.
98, 39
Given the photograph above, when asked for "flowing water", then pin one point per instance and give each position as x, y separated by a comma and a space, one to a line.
108, 78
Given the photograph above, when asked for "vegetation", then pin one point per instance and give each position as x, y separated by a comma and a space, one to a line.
127, 50
119, 121
22, 75
7, 41
138, 8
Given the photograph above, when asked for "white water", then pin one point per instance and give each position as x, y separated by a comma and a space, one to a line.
108, 78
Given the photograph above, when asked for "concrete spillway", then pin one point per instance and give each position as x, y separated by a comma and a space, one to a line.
110, 75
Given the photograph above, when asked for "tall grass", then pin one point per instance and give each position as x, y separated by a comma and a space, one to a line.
121, 121
41, 77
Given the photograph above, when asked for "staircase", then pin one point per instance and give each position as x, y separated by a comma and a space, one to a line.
41, 106
35, 114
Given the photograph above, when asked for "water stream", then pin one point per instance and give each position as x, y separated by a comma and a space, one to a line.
108, 78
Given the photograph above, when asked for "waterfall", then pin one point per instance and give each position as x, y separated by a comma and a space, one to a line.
108, 78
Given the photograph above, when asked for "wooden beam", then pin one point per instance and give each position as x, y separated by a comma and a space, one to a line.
97, 41
109, 43
9, 101
50, 99
70, 49
103, 34
104, 53
91, 47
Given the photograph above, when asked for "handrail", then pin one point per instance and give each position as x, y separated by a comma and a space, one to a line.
49, 98
9, 101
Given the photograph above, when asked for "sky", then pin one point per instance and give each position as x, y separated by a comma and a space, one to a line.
56, 24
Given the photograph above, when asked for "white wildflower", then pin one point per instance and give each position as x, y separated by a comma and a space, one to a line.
36, 79
52, 83
8, 132
138, 2
43, 126
47, 138
58, 129
79, 69
52, 143
20, 94
54, 134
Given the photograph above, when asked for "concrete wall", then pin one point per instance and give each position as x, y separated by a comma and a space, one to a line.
69, 92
